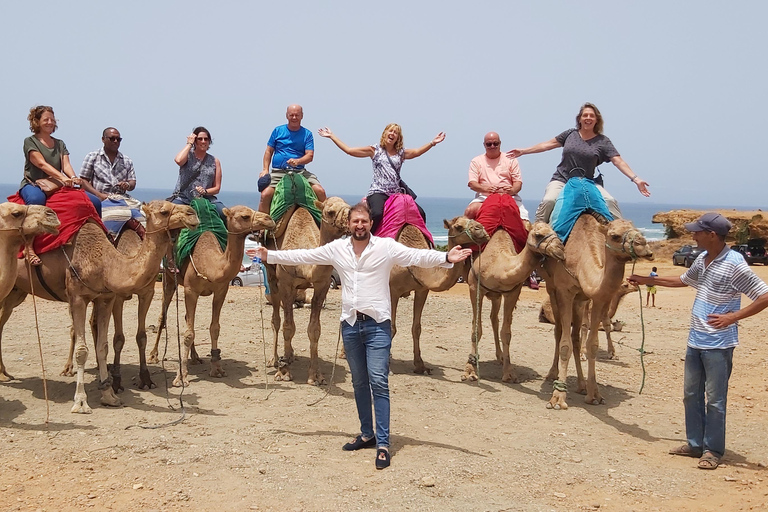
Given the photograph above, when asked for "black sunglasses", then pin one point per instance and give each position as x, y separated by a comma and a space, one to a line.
492, 144
115, 139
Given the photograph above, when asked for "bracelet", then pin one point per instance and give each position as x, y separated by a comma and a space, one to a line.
633, 178
446, 258
432, 144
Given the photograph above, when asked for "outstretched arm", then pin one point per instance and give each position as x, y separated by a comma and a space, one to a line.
538, 148
623, 166
363, 152
668, 281
413, 153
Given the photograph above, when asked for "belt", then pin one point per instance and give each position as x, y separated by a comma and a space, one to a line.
363, 316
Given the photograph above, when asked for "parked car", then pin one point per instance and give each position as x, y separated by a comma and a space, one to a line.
753, 251
685, 255
251, 276
335, 280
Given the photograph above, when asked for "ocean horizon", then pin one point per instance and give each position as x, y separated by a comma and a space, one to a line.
439, 208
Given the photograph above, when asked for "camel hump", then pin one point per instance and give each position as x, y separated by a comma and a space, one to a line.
412, 236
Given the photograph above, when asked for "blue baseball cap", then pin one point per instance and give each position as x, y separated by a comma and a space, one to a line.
264, 182
710, 222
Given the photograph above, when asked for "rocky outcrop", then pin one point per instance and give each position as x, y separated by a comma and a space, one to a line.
746, 224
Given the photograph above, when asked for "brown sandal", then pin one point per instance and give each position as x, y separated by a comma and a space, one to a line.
685, 450
709, 461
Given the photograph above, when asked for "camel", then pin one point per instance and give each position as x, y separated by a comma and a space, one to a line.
90, 269
301, 232
608, 325
499, 272
403, 280
595, 257
19, 223
208, 270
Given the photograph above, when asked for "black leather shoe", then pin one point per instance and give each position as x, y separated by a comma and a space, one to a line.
382, 463
358, 443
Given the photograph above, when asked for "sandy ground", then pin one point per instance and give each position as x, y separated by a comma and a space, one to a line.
456, 445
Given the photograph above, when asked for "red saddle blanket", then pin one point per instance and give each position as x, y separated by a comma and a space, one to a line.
399, 210
501, 211
73, 208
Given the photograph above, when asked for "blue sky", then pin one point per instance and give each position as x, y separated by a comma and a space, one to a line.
681, 86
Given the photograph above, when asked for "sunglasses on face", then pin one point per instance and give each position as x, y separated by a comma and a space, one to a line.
115, 139
492, 144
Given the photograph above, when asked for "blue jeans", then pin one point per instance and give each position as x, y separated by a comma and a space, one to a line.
33, 195
367, 345
706, 374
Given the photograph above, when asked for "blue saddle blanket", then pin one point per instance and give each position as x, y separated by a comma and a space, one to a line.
578, 196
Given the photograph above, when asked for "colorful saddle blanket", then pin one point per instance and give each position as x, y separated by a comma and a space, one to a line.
399, 210
117, 209
73, 208
294, 189
501, 211
209, 221
578, 196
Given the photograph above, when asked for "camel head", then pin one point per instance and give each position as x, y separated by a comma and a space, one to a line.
543, 240
165, 216
242, 220
464, 231
626, 242
28, 219
335, 214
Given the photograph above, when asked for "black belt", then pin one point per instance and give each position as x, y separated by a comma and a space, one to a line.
363, 316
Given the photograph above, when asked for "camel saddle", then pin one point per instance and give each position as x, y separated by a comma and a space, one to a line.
292, 191
500, 211
579, 195
399, 210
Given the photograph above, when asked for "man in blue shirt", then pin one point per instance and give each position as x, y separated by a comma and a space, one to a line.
720, 276
290, 148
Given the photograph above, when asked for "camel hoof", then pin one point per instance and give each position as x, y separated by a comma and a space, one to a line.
510, 377
152, 359
117, 384
4, 377
145, 381
67, 372
81, 407
195, 360
178, 381
318, 380
469, 376
283, 375
421, 370
599, 400
218, 372
557, 402
109, 398
613, 357
583, 357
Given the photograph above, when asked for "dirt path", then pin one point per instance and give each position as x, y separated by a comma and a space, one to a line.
457, 446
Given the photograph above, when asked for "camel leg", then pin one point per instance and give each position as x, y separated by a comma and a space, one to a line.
276, 305
118, 342
608, 328
315, 376
169, 289
470, 370
599, 311
577, 327
510, 300
419, 301
145, 300
394, 300
289, 329
77, 307
495, 308
584, 330
554, 369
215, 329
190, 304
13, 299
102, 311
565, 350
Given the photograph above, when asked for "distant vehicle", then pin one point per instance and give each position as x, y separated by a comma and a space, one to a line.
686, 255
335, 280
251, 276
753, 251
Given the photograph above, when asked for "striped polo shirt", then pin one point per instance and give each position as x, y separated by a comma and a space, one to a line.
718, 290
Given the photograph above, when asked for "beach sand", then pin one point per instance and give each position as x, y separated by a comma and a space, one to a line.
456, 445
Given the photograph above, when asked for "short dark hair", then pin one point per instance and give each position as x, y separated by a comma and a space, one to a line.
654, 269
199, 129
104, 132
363, 207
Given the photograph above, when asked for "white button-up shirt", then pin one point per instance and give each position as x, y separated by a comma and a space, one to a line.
364, 280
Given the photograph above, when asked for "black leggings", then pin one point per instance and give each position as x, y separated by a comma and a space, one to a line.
376, 204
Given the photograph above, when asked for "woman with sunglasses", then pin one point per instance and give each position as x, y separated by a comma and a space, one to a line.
46, 157
584, 148
199, 171
387, 157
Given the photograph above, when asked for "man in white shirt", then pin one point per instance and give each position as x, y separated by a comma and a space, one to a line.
364, 263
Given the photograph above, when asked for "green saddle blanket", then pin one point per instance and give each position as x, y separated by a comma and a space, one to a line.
294, 189
209, 221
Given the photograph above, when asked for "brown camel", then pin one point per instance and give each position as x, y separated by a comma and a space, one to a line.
301, 232
90, 269
595, 257
403, 280
19, 223
607, 324
209, 270
499, 272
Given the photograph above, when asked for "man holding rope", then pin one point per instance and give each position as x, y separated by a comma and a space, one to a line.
720, 276
364, 263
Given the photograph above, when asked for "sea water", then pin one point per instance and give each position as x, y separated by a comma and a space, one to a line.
440, 208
